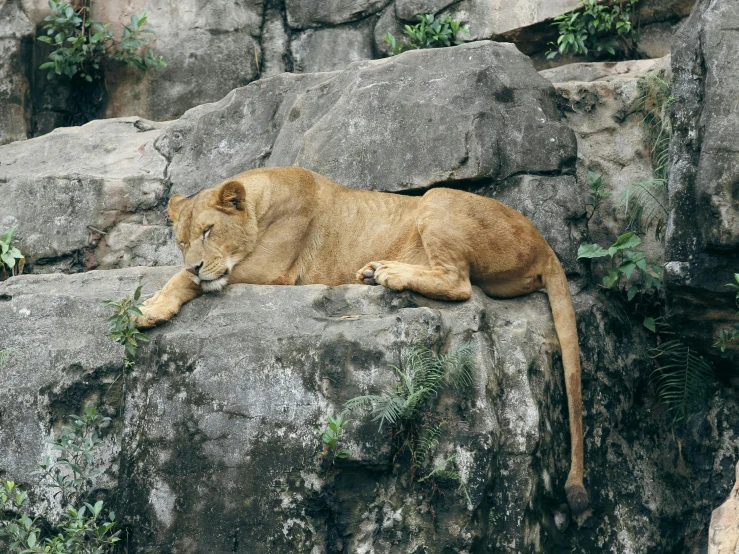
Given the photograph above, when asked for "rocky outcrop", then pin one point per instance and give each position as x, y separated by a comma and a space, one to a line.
216, 46
723, 535
489, 122
600, 102
214, 443
702, 248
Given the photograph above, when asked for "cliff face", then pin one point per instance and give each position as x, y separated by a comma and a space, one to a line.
214, 441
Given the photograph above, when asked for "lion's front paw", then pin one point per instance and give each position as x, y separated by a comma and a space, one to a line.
149, 317
387, 274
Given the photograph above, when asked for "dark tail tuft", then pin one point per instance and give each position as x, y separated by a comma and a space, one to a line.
577, 498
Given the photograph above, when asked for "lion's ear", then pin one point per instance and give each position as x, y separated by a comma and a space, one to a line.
231, 196
176, 203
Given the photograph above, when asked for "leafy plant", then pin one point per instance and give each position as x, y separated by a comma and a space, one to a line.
83, 45
728, 338
122, 327
332, 435
597, 194
645, 203
421, 377
420, 380
600, 28
682, 378
429, 32
11, 259
83, 528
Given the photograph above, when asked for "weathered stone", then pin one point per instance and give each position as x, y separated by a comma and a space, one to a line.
703, 228
483, 110
210, 49
275, 44
213, 444
14, 88
723, 535
68, 189
387, 23
409, 9
600, 102
330, 49
302, 14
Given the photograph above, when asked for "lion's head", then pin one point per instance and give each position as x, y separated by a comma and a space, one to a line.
215, 230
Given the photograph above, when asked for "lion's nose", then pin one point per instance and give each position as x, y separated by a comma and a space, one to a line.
194, 269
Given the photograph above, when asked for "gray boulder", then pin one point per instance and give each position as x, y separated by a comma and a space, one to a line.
302, 14
75, 193
214, 446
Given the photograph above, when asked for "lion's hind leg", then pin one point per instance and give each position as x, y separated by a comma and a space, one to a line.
441, 283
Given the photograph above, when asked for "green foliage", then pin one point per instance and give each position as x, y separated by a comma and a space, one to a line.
645, 203
83, 528
332, 435
429, 32
598, 28
422, 377
83, 45
597, 194
681, 379
729, 338
122, 327
11, 259
407, 407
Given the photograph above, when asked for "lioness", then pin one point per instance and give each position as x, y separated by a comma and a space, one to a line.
290, 226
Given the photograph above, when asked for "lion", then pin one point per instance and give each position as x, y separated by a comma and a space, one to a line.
291, 226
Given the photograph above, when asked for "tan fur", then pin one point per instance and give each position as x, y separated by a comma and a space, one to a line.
290, 226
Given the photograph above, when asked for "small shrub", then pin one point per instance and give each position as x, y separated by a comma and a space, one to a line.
331, 436
600, 29
429, 32
84, 527
83, 45
645, 203
11, 259
597, 194
121, 324
730, 338
407, 408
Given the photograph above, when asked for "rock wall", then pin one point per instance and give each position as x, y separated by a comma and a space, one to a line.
702, 248
213, 47
213, 445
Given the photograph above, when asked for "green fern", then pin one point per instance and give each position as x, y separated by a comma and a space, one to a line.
682, 379
428, 440
645, 203
423, 375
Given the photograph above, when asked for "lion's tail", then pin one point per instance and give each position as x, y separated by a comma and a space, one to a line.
565, 324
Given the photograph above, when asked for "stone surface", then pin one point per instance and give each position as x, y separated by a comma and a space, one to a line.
723, 535
14, 86
600, 103
214, 441
210, 49
302, 14
703, 229
70, 191
330, 49
484, 111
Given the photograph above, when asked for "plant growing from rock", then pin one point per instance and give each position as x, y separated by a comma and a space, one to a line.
84, 527
121, 325
429, 32
598, 193
11, 259
83, 45
729, 338
331, 436
645, 203
599, 28
422, 376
